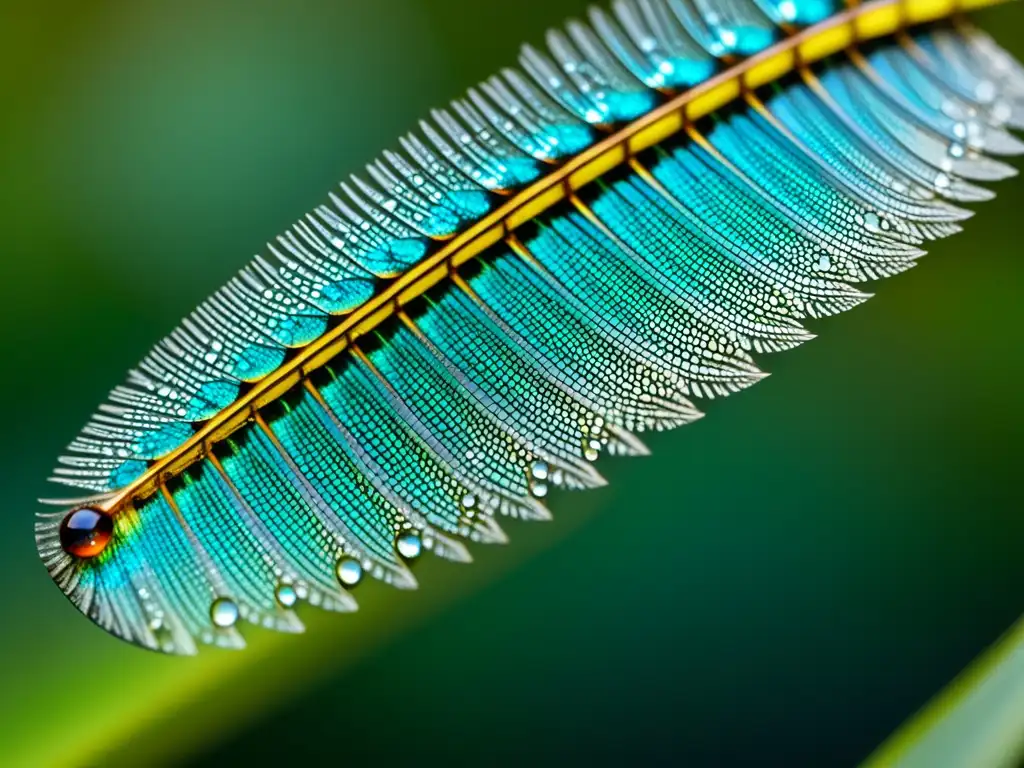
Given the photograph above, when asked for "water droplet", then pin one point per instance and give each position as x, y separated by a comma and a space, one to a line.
539, 490
409, 545
349, 571
86, 532
956, 150
286, 595
224, 613
787, 10
468, 501
539, 470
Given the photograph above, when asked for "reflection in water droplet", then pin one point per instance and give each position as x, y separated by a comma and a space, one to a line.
409, 545
985, 91
224, 612
591, 448
468, 501
349, 571
1001, 112
286, 595
86, 532
539, 470
539, 490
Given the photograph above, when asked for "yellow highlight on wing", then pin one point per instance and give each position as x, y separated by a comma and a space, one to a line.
827, 43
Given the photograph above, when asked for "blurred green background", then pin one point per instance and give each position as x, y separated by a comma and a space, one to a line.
786, 580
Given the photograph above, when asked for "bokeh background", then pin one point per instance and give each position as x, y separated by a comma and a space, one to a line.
785, 581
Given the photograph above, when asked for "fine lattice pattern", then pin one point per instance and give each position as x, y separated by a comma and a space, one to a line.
608, 313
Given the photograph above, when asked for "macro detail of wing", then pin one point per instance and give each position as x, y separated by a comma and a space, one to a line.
607, 316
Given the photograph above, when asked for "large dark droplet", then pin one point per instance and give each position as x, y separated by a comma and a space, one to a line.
86, 532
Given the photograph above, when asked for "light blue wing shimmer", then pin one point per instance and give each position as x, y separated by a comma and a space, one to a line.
615, 313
